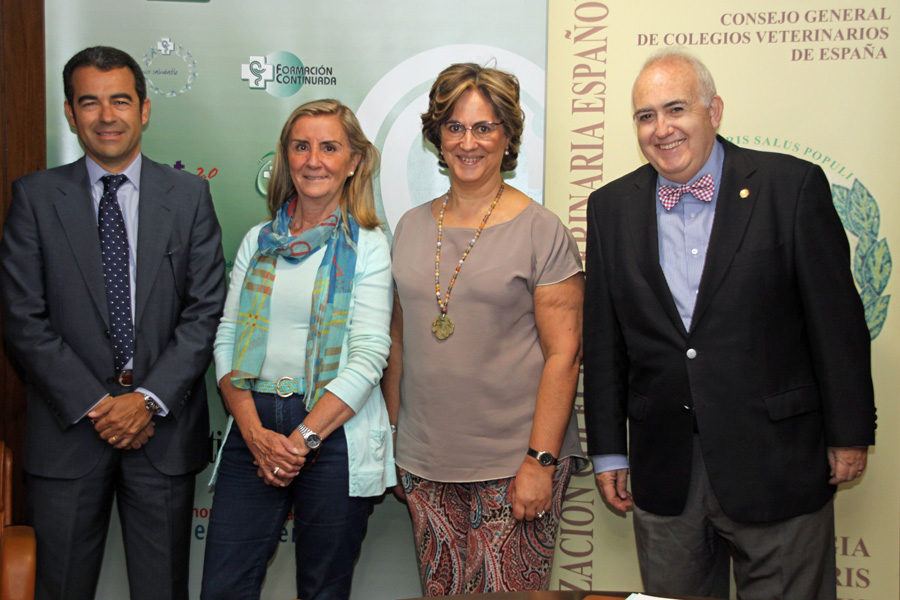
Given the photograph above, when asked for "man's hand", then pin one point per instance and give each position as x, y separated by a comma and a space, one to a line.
613, 486
121, 419
143, 437
846, 463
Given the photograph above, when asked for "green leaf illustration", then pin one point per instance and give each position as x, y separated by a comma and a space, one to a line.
878, 266
863, 214
863, 246
867, 295
872, 262
876, 313
841, 197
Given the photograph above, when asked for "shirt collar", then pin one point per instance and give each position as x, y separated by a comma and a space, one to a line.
132, 171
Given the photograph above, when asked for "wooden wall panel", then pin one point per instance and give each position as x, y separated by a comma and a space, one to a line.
23, 143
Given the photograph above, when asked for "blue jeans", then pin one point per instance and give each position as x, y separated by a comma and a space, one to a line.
247, 516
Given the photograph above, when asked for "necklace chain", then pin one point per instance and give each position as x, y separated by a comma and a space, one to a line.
445, 302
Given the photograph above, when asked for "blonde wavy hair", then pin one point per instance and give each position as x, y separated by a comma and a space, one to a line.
358, 197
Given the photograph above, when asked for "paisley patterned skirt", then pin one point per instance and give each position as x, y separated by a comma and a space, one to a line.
467, 540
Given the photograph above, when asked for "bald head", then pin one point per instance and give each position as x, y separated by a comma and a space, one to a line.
705, 82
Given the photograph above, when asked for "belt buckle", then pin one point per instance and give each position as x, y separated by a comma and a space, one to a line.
284, 394
125, 378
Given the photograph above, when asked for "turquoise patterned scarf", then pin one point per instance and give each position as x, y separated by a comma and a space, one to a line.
330, 297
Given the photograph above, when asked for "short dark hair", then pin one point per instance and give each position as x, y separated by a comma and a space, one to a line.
104, 58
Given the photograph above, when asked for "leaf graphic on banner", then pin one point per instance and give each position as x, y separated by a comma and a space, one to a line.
878, 266
876, 313
863, 211
867, 295
841, 197
872, 257
863, 246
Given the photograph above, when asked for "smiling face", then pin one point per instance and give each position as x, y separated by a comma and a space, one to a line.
474, 161
320, 159
107, 115
675, 130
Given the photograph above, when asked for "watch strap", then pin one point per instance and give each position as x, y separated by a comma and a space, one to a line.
545, 458
311, 438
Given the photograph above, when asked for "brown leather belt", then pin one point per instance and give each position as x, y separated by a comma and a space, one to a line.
125, 378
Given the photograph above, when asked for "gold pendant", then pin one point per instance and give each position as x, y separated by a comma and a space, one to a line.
442, 327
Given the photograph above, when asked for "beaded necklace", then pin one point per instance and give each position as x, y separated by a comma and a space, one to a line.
442, 327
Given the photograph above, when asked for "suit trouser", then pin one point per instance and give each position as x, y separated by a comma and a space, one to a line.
688, 554
71, 519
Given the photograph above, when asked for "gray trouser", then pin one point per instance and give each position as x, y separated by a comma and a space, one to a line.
689, 554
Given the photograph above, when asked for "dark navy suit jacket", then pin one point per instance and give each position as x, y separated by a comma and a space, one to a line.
55, 318
776, 366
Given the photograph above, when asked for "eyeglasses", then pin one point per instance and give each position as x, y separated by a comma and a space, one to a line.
483, 130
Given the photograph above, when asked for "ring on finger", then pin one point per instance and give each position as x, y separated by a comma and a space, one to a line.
113, 439
541, 514
275, 472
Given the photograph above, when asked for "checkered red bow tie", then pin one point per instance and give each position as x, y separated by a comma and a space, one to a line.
702, 189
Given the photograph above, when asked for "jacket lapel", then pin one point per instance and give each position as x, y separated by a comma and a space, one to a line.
74, 206
645, 236
155, 214
732, 216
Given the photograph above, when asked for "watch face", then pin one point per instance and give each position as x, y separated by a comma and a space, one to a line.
313, 441
545, 458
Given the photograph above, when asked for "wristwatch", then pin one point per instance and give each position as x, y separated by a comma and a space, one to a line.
545, 458
313, 441
151, 404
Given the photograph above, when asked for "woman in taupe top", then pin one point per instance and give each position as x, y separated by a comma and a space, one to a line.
486, 333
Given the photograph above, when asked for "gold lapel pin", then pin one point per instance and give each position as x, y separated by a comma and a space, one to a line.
745, 192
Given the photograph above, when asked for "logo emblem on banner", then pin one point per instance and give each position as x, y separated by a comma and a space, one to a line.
859, 215
258, 73
872, 258
264, 173
169, 68
282, 74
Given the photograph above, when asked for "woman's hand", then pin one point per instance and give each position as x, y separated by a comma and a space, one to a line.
278, 460
532, 493
277, 457
399, 492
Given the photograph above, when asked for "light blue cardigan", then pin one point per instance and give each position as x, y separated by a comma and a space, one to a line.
363, 354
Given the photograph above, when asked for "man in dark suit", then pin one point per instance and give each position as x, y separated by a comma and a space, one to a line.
112, 289
722, 320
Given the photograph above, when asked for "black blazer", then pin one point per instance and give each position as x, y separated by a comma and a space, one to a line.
777, 363
55, 318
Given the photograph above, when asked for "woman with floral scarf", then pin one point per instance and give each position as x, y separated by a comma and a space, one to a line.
299, 353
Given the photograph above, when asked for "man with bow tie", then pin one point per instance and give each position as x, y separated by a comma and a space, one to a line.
722, 320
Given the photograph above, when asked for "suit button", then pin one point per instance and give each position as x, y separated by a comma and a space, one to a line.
691, 353
110, 380
106, 333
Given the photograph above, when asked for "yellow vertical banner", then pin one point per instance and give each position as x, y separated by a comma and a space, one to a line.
816, 79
